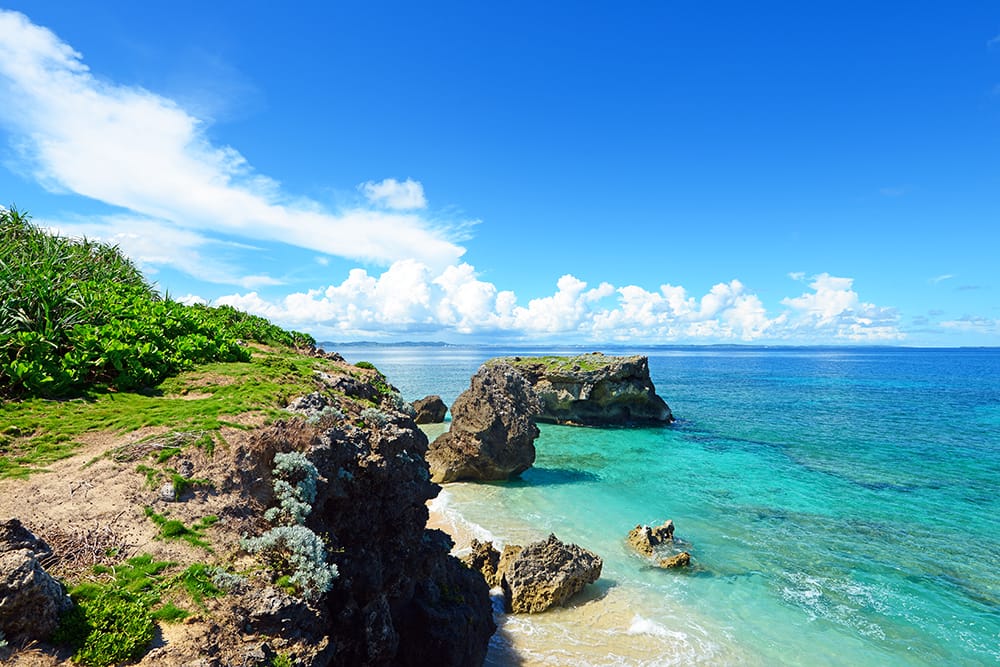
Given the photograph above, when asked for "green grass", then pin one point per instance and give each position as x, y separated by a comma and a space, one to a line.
38, 432
172, 529
558, 364
113, 619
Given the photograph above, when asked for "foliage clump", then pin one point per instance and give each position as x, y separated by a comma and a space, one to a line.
374, 417
294, 488
295, 553
113, 619
299, 551
76, 313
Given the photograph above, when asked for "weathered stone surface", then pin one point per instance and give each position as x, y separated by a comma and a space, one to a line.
429, 410
645, 539
492, 430
485, 558
30, 599
683, 559
548, 573
507, 556
400, 597
310, 406
593, 389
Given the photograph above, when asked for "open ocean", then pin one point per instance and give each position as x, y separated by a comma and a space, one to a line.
840, 506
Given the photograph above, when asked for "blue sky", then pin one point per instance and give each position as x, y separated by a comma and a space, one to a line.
570, 172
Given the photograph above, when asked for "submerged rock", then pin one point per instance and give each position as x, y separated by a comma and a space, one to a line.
593, 389
683, 559
429, 410
547, 573
645, 539
492, 430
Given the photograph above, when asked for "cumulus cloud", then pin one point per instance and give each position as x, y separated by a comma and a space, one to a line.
833, 308
411, 298
395, 195
134, 149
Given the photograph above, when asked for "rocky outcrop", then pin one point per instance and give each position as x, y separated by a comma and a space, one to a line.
429, 410
30, 599
547, 573
593, 389
645, 539
400, 596
492, 429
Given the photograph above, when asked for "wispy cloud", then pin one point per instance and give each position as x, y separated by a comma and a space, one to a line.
939, 279
972, 323
400, 196
135, 149
968, 288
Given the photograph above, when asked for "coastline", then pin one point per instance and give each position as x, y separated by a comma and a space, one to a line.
603, 625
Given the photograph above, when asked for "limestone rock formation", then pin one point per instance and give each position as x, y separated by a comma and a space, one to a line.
430, 410
30, 599
548, 573
492, 429
683, 559
399, 597
485, 558
645, 539
593, 389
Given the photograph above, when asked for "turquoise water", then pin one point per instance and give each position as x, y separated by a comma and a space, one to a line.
840, 505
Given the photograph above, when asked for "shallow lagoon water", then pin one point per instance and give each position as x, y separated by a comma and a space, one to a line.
840, 506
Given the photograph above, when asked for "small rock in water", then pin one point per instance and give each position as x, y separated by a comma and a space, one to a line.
683, 559
645, 539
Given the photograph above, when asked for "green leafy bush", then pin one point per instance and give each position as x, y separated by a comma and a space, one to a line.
108, 628
76, 313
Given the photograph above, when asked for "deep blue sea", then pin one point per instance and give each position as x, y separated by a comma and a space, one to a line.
840, 505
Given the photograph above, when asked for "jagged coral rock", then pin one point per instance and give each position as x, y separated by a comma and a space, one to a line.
492, 430
645, 539
548, 573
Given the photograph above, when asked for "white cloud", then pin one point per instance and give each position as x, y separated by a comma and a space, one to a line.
154, 243
834, 309
395, 195
411, 298
937, 279
132, 148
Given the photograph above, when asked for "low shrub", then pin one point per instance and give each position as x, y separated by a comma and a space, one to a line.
298, 553
109, 628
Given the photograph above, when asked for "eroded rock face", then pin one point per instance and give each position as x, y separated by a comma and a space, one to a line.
645, 539
30, 599
400, 597
484, 558
492, 429
547, 573
429, 410
593, 389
